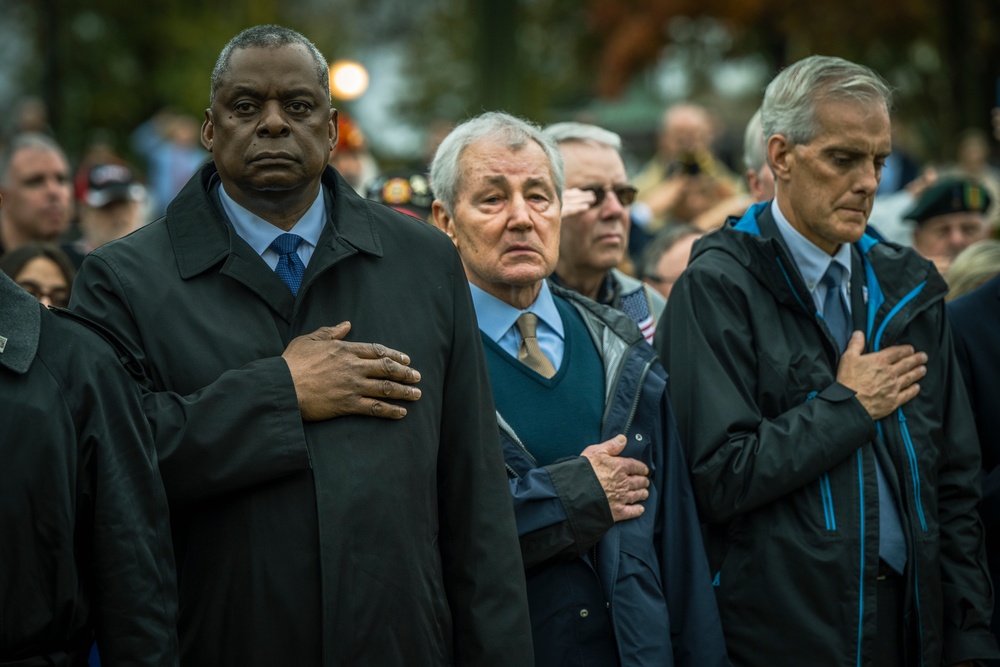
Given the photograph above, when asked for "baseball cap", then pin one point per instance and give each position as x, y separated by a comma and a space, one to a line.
111, 182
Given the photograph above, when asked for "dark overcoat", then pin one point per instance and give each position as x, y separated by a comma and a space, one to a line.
975, 323
84, 531
351, 541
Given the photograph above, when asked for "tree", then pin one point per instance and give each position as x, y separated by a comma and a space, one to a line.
942, 57
107, 66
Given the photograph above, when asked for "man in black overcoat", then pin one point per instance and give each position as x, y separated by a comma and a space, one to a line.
284, 323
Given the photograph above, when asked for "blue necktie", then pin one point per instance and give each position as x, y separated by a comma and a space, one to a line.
891, 544
290, 267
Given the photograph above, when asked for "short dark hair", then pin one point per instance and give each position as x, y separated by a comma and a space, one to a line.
270, 37
23, 141
14, 261
661, 243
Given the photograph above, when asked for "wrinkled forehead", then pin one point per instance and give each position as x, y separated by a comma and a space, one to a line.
490, 161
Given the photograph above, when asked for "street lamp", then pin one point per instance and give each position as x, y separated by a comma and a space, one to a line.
348, 79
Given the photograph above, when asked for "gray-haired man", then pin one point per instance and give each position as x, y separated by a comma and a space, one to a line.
615, 568
840, 493
595, 224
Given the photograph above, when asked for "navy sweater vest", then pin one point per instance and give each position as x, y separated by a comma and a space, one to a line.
556, 417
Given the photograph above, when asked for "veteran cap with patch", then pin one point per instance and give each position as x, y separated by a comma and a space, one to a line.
953, 195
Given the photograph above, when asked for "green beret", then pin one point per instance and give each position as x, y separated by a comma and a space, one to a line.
953, 195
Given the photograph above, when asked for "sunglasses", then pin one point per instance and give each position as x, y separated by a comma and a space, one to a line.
57, 296
625, 193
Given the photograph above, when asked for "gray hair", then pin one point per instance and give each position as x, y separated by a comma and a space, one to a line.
791, 98
581, 132
754, 147
666, 239
513, 132
24, 141
268, 37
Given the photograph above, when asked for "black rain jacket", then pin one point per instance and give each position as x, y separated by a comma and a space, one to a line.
783, 456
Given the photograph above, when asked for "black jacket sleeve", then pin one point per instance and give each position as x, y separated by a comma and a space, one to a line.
477, 531
561, 509
134, 584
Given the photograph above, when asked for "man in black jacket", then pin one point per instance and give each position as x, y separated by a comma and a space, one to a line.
317, 521
818, 399
84, 534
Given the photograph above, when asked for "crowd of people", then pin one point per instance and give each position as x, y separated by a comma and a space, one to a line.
268, 405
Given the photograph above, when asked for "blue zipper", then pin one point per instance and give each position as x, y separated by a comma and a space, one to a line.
892, 313
914, 471
861, 579
916, 599
827, 494
904, 430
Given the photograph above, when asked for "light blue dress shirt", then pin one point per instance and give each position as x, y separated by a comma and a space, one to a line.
259, 233
497, 320
812, 261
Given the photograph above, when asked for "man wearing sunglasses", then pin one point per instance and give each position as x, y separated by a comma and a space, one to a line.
595, 224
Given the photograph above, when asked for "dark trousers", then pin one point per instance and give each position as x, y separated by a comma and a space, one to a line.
889, 618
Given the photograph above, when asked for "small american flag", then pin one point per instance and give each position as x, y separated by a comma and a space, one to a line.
648, 328
635, 306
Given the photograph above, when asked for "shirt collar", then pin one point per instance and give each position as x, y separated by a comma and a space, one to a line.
811, 260
496, 317
259, 233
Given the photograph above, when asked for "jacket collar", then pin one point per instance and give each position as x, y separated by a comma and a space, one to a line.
20, 326
616, 323
890, 272
202, 237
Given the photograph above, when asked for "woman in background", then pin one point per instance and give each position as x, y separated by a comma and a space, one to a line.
42, 270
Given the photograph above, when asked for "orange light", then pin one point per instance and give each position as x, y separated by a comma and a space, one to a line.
348, 79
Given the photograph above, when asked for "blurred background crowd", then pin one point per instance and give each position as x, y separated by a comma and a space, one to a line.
114, 94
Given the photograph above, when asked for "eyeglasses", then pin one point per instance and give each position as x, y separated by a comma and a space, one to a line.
57, 296
625, 193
